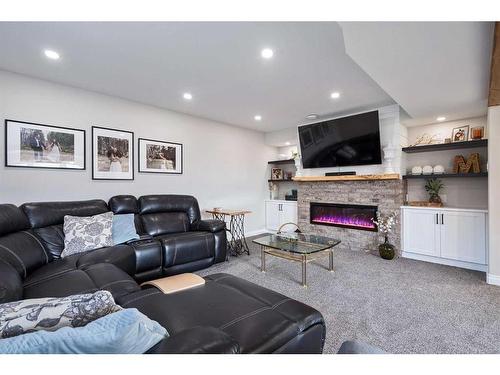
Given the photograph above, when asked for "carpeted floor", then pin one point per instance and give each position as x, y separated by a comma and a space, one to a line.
402, 306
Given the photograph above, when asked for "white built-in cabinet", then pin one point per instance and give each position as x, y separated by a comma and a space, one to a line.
279, 212
452, 236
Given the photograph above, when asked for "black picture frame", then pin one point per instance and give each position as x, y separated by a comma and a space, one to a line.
131, 155
177, 144
83, 147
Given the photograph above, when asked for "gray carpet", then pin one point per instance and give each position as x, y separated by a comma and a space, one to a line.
402, 306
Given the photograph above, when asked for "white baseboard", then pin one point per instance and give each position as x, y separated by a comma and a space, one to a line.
255, 232
493, 279
446, 262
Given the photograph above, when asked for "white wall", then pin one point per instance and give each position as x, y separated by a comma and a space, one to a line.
461, 192
224, 165
391, 132
494, 195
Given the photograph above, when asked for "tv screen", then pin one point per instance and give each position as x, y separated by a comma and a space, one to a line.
346, 141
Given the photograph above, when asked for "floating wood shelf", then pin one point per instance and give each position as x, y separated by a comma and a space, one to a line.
286, 161
282, 180
446, 146
366, 177
445, 175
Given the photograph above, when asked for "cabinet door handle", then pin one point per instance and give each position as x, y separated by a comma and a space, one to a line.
442, 219
437, 218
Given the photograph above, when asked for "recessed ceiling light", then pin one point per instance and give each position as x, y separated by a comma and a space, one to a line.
187, 96
312, 116
257, 117
287, 143
53, 55
267, 53
335, 95
441, 118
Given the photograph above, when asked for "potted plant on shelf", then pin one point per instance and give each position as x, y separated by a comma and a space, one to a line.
385, 223
433, 186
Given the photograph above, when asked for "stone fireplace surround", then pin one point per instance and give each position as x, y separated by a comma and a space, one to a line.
386, 194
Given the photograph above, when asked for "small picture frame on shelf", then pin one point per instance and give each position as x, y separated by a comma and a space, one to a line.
276, 174
460, 134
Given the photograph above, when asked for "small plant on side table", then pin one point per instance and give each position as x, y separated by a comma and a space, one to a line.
385, 223
433, 186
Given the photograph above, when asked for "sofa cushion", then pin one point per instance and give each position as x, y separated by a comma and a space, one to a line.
123, 204
260, 320
11, 285
149, 204
124, 332
50, 314
83, 234
44, 214
60, 281
156, 224
24, 251
52, 238
180, 248
122, 256
12, 219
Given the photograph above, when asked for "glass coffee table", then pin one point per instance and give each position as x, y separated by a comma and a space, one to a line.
297, 247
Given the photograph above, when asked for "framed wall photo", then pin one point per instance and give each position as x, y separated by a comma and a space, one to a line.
160, 157
460, 134
33, 145
112, 154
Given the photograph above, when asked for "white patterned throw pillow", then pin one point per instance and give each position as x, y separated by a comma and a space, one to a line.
50, 314
87, 233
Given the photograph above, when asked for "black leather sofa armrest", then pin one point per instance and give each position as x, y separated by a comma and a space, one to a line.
210, 225
142, 237
197, 340
358, 347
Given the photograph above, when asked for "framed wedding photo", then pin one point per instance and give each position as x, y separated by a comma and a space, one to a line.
32, 145
112, 154
160, 157
460, 134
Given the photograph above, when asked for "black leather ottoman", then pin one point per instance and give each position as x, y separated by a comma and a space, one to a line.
258, 319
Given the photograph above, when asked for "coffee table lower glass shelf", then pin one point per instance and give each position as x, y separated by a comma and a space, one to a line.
297, 247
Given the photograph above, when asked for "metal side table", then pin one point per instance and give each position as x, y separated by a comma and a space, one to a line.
237, 244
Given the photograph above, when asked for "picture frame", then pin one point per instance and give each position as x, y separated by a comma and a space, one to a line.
160, 156
35, 145
112, 154
276, 174
460, 134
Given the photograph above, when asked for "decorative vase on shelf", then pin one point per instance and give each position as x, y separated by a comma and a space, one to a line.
389, 156
386, 250
298, 173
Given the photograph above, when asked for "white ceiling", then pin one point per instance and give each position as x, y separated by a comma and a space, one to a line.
219, 63
430, 69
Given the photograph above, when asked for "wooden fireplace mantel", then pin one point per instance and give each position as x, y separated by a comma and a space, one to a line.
366, 177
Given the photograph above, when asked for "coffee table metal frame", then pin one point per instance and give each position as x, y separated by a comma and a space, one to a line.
302, 258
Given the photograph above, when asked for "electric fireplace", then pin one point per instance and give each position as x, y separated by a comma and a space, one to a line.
352, 216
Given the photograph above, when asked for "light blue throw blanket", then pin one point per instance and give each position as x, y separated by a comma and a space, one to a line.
124, 332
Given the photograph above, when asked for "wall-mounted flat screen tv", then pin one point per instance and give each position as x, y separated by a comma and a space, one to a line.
341, 142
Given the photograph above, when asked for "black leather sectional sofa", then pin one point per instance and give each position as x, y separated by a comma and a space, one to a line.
226, 315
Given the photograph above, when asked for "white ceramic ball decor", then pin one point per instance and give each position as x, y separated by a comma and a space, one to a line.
416, 170
427, 169
438, 169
